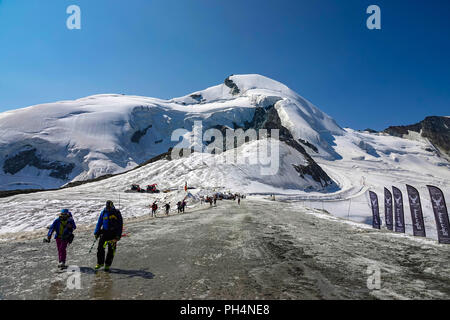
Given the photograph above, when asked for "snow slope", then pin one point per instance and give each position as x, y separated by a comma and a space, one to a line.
48, 145
372, 161
205, 172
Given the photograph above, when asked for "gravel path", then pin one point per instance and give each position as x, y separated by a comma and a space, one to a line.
259, 250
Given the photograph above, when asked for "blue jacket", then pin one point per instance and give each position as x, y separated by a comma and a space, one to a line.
110, 221
68, 230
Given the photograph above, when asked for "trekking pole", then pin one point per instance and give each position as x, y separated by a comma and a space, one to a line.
93, 245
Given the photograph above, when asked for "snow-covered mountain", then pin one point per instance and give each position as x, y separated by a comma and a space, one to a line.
320, 164
433, 129
49, 145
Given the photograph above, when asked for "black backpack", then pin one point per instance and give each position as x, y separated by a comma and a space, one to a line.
114, 220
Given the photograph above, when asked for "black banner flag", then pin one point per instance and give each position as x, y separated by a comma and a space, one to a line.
375, 210
416, 211
398, 210
440, 214
388, 209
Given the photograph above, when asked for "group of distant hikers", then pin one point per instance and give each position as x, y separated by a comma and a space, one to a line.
217, 196
181, 206
109, 229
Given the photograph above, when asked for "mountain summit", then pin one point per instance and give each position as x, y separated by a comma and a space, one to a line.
49, 145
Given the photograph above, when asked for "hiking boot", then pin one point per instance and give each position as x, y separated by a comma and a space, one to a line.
98, 266
107, 268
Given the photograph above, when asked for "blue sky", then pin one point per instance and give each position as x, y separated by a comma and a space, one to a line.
167, 48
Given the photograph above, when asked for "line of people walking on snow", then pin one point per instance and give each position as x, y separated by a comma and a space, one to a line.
108, 231
181, 206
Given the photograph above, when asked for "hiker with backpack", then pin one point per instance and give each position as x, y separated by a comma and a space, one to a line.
167, 208
154, 208
63, 226
109, 228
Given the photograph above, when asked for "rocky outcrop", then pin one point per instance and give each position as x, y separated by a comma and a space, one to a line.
136, 137
197, 97
268, 118
230, 84
29, 157
436, 129
309, 145
273, 121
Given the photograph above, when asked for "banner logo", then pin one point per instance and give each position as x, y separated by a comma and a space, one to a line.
440, 214
416, 211
375, 210
388, 211
398, 209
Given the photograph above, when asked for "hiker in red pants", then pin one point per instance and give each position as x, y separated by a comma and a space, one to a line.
63, 227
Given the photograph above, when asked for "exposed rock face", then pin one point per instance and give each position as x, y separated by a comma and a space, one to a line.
309, 145
197, 97
234, 88
268, 118
139, 134
435, 128
273, 121
30, 157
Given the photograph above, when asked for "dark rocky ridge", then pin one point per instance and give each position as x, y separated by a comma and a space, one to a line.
269, 119
139, 134
435, 128
309, 145
30, 157
197, 97
230, 84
